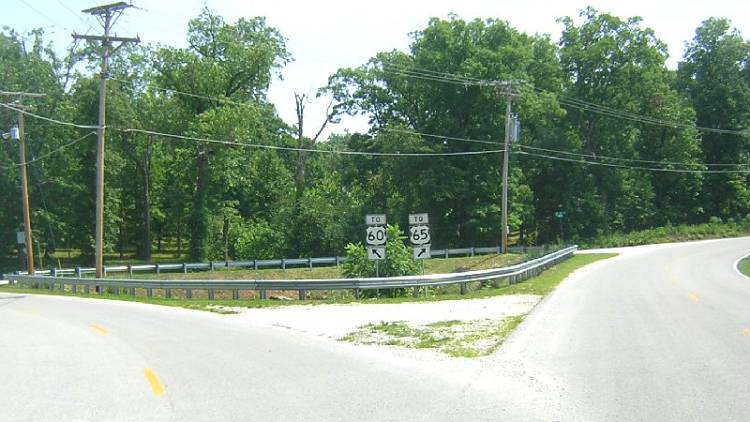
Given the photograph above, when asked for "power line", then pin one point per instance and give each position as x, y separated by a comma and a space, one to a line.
47, 119
451, 78
429, 135
632, 160
174, 91
50, 153
250, 145
320, 151
653, 169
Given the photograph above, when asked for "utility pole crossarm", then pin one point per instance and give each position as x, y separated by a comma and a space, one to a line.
103, 38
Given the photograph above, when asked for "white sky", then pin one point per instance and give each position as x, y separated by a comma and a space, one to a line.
326, 35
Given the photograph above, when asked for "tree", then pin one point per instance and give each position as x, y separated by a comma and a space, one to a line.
715, 76
225, 65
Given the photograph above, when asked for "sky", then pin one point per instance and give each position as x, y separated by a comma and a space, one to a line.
324, 36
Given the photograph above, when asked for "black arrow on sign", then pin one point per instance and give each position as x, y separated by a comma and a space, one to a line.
421, 252
376, 253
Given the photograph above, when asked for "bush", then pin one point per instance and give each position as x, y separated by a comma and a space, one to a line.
399, 260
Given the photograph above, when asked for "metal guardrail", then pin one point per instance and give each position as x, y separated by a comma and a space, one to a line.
262, 263
516, 273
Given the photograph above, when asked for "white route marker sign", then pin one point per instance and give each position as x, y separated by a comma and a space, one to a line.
375, 253
419, 235
376, 236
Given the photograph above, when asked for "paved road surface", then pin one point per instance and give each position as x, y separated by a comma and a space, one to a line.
658, 333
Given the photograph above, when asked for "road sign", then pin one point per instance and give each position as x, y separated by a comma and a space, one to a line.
419, 235
375, 253
422, 252
376, 235
375, 219
415, 219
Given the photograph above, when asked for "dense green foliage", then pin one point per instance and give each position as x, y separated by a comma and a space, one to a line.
715, 229
399, 259
600, 96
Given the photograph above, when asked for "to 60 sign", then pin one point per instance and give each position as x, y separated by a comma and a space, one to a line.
376, 235
419, 235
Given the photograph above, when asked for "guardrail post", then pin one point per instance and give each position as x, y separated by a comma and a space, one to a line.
74, 287
309, 262
104, 272
446, 253
416, 291
302, 294
338, 261
78, 273
189, 293
236, 294
149, 292
158, 269
255, 264
210, 294
283, 263
473, 250
211, 265
226, 265
54, 272
130, 270
132, 291
357, 293
263, 294
463, 288
184, 268
168, 293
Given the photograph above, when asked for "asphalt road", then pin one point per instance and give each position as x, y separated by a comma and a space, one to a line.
658, 333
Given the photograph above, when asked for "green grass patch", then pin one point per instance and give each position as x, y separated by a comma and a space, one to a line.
468, 339
540, 285
744, 266
667, 234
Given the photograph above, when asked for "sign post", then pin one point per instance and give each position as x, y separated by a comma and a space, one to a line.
376, 237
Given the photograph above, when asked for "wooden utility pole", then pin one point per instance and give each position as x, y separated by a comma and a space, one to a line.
108, 15
508, 85
26, 210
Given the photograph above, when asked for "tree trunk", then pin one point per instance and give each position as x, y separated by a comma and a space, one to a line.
146, 246
179, 232
226, 238
199, 214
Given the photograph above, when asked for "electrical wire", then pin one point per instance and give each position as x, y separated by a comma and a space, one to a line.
174, 91
567, 101
429, 135
47, 119
248, 145
653, 169
55, 151
320, 151
632, 160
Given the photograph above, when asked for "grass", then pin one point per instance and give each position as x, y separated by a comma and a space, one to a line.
540, 285
745, 266
667, 234
432, 266
468, 339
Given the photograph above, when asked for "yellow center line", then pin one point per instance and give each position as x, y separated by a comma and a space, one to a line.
100, 329
694, 297
156, 386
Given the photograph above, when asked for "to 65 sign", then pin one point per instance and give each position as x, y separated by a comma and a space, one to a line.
376, 235
419, 235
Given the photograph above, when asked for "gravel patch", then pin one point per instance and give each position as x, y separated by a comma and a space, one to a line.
335, 321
